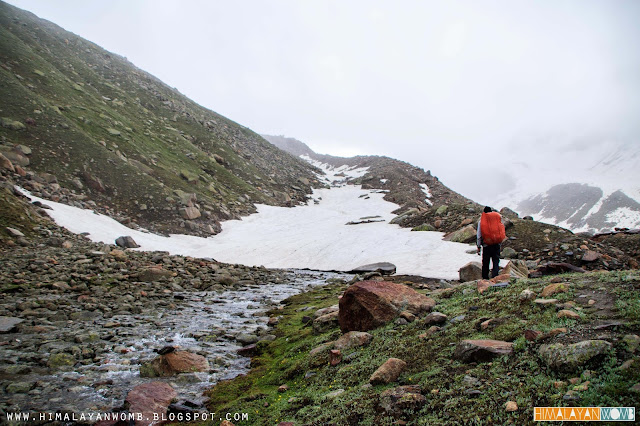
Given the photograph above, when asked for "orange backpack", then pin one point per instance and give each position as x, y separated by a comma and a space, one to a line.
492, 229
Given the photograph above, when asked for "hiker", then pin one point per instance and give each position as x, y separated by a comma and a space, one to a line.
490, 235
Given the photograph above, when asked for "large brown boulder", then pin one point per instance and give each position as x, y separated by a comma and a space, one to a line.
174, 363
151, 400
370, 304
481, 350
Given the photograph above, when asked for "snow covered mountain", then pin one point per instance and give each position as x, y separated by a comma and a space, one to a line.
584, 187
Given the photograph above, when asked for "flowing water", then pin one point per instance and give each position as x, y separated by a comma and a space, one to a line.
206, 323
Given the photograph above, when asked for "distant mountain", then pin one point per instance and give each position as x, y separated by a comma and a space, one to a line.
114, 138
585, 187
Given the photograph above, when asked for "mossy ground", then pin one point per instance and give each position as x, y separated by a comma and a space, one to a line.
520, 377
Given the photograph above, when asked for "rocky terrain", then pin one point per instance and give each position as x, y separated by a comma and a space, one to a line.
83, 325
111, 133
383, 353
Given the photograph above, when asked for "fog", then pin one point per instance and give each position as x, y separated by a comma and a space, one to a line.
482, 93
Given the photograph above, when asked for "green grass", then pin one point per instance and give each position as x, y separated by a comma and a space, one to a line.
520, 377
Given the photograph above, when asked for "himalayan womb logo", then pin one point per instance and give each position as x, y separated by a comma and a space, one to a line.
584, 414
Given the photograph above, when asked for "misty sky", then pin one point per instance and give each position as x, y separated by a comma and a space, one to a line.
472, 90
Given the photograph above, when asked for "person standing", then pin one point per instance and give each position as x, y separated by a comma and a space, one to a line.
491, 234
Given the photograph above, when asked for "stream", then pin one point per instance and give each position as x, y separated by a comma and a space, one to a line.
203, 322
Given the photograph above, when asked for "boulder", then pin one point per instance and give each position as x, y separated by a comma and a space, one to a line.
591, 256
462, 235
402, 399
388, 372
9, 123
5, 163
190, 213
552, 289
508, 253
435, 318
93, 182
516, 269
126, 242
470, 272
174, 363
353, 339
8, 324
320, 355
150, 400
325, 322
370, 304
325, 311
481, 350
385, 268
571, 357
17, 158
555, 268
151, 275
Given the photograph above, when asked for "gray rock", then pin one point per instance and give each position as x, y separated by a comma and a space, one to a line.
14, 232
8, 324
470, 272
126, 242
385, 268
247, 339
571, 357
508, 253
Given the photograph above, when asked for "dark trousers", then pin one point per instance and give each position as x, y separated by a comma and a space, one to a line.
490, 253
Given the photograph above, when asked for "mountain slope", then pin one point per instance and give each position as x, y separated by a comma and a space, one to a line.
415, 190
113, 134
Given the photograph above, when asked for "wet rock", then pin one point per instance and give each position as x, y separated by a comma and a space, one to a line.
388, 372
402, 399
481, 350
470, 272
370, 304
353, 339
247, 338
126, 242
385, 268
151, 400
19, 387
8, 324
570, 357
174, 363
60, 360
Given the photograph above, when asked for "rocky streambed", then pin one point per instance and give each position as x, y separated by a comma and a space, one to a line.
78, 320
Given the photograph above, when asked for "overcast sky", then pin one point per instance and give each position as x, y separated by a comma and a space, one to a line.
467, 89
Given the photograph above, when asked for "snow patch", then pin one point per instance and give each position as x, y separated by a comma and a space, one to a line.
336, 175
427, 192
624, 217
311, 236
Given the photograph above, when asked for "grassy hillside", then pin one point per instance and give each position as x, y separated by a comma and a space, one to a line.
88, 114
455, 392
